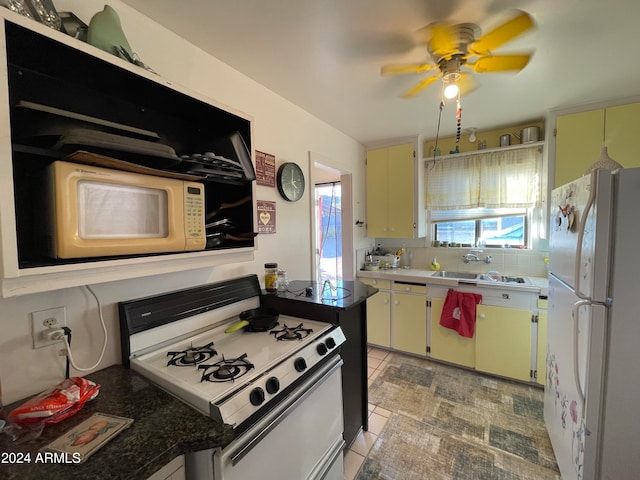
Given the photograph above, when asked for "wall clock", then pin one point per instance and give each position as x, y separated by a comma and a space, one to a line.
290, 180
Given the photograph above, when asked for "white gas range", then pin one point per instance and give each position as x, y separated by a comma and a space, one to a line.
257, 381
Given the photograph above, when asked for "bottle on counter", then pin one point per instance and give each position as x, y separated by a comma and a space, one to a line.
271, 277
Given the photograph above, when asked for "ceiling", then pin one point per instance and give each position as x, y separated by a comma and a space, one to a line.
325, 56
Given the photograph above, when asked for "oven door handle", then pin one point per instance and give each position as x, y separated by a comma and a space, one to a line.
285, 408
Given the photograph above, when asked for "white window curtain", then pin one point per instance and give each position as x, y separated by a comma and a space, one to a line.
498, 179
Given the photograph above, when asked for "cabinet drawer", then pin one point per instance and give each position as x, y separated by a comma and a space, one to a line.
542, 303
409, 287
499, 297
377, 282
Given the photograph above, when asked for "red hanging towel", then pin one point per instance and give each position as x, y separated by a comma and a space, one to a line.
459, 312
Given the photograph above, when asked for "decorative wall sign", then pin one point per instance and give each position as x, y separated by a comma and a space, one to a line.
266, 216
265, 169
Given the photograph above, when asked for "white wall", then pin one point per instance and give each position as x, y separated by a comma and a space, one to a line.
280, 128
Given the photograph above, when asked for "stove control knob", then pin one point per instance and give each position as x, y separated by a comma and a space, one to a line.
256, 397
300, 364
273, 385
331, 343
322, 349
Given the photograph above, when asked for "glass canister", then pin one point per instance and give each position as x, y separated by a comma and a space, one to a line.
271, 277
283, 281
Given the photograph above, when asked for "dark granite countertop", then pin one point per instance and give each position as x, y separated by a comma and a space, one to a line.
340, 294
163, 428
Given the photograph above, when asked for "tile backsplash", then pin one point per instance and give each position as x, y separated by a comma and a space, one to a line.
506, 261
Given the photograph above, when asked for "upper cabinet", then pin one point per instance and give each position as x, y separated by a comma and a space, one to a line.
392, 186
580, 136
59, 96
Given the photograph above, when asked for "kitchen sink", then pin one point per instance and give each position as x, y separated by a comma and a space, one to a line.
507, 279
448, 274
502, 278
482, 276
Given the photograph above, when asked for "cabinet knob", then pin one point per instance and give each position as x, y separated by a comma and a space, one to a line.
396, 302
385, 301
407, 289
481, 315
375, 282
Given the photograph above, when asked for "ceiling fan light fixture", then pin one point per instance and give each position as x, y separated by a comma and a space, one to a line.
451, 91
451, 88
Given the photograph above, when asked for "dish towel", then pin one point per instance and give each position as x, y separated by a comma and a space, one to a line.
459, 312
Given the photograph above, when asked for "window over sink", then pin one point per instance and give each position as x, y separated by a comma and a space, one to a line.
484, 199
499, 228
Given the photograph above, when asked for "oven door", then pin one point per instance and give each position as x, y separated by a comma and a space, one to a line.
300, 438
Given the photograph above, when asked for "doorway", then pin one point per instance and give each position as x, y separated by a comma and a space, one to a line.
328, 216
332, 256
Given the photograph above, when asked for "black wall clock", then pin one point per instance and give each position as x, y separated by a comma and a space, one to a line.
290, 180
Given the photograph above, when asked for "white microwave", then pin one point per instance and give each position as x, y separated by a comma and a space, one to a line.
95, 211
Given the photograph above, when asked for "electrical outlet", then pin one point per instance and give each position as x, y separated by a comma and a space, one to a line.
45, 321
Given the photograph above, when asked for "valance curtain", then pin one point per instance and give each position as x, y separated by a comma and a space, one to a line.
499, 179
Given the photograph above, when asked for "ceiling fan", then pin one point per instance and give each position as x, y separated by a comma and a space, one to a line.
454, 48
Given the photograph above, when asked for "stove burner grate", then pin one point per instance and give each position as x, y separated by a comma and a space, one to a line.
226, 370
192, 355
291, 333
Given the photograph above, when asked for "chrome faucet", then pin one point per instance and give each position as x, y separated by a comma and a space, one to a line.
474, 256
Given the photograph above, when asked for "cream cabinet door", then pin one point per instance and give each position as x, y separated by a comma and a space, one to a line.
579, 138
391, 192
447, 344
503, 341
622, 134
401, 193
377, 192
379, 319
409, 323
541, 353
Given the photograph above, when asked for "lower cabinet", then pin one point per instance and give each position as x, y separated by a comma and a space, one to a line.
379, 319
541, 359
379, 313
409, 322
447, 344
506, 341
503, 341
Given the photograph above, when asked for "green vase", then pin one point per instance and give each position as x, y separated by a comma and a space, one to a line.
105, 32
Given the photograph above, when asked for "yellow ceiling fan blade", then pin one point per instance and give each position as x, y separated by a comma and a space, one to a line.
442, 40
500, 63
502, 34
412, 92
466, 83
401, 69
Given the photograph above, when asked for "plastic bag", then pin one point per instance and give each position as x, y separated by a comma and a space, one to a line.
51, 406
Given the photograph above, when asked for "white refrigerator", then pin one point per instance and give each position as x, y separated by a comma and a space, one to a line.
592, 388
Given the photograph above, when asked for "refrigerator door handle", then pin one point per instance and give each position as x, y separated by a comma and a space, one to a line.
583, 222
575, 314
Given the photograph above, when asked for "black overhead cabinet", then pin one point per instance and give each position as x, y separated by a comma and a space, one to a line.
66, 103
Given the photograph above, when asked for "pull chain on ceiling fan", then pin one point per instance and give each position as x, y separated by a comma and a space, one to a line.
454, 48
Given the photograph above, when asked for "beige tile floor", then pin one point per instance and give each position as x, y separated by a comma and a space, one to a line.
355, 456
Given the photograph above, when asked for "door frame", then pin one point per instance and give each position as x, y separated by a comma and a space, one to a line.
346, 185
